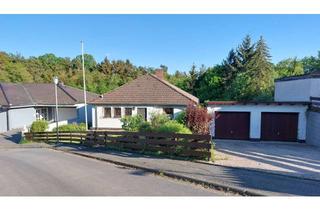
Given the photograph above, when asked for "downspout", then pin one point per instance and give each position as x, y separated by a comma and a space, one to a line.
8, 122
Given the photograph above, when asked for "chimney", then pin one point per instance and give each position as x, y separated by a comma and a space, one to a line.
159, 73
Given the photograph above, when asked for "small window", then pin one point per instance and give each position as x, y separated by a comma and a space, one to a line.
107, 112
169, 112
128, 111
45, 114
117, 112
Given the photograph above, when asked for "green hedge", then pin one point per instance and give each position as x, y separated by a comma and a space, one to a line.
158, 123
173, 127
133, 123
39, 126
72, 127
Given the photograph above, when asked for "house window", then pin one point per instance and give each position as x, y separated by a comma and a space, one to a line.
117, 112
107, 112
128, 111
169, 112
45, 113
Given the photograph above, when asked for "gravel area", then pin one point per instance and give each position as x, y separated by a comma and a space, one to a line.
295, 159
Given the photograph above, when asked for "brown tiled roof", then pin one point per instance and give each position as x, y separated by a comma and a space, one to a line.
40, 94
314, 74
147, 90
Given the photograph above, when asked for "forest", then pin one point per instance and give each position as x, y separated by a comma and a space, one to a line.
246, 74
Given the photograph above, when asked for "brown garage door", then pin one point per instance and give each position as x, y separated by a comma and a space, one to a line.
279, 126
232, 125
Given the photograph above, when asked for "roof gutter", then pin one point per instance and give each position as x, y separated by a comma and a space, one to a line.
38, 105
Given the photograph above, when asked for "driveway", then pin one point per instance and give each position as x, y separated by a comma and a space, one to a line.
10, 138
45, 172
295, 159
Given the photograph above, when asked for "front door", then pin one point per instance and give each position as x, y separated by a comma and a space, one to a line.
142, 112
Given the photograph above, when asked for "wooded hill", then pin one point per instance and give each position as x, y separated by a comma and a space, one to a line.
247, 73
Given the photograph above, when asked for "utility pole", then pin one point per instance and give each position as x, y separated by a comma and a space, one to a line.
84, 87
56, 81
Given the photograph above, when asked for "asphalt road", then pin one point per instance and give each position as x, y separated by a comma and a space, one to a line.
45, 172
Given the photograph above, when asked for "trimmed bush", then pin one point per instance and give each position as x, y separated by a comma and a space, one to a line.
181, 118
133, 123
158, 120
72, 127
173, 126
145, 126
198, 119
159, 123
39, 126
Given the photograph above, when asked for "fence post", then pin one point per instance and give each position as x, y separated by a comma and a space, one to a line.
105, 139
95, 138
47, 137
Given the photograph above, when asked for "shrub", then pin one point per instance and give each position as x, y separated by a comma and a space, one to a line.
145, 126
39, 126
181, 118
158, 120
198, 119
173, 126
72, 127
133, 123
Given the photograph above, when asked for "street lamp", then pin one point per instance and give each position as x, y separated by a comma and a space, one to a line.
56, 81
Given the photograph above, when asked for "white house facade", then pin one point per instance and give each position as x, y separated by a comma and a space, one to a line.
101, 120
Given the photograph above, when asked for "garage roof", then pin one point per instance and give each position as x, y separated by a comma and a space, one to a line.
313, 74
255, 103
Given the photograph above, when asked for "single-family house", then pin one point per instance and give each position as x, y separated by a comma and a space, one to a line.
145, 95
21, 104
289, 118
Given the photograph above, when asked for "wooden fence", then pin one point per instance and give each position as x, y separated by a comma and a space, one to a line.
183, 145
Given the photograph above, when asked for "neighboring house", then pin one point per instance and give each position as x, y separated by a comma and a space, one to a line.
290, 118
145, 95
298, 88
21, 104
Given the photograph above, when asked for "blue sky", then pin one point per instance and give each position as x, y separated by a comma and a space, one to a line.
150, 40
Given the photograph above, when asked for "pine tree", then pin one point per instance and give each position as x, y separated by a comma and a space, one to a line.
245, 52
252, 70
231, 67
193, 76
261, 71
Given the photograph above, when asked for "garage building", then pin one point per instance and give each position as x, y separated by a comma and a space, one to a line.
273, 121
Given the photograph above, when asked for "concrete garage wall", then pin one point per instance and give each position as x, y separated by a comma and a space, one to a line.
313, 128
81, 113
297, 90
255, 116
18, 118
3, 121
100, 122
